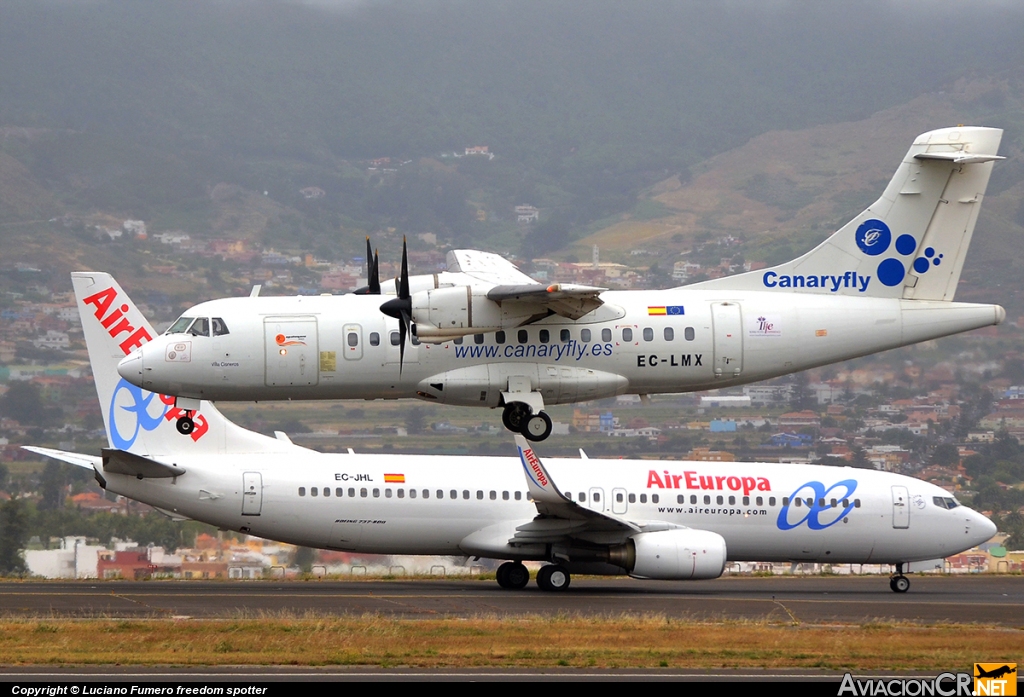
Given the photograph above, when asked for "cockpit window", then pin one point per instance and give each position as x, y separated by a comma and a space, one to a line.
180, 325
201, 327
219, 328
945, 502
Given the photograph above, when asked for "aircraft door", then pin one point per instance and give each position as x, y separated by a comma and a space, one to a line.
353, 334
619, 501
292, 351
728, 339
252, 493
900, 507
595, 499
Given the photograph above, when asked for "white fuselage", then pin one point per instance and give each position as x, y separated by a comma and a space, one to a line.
471, 506
343, 347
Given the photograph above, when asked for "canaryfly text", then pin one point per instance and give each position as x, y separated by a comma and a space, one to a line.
850, 279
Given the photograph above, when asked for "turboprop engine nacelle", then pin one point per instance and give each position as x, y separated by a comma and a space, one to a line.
672, 555
448, 313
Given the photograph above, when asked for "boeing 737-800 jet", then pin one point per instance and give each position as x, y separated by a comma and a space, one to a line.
484, 334
656, 520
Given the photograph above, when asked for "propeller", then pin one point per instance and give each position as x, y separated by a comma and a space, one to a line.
401, 307
372, 286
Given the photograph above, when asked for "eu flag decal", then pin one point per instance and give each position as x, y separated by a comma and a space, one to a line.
666, 310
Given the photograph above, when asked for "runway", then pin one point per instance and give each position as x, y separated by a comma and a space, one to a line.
988, 600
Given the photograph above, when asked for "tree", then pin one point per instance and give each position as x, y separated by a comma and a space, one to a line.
51, 485
13, 533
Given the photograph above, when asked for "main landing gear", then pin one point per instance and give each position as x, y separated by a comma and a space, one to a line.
514, 576
518, 417
185, 424
898, 582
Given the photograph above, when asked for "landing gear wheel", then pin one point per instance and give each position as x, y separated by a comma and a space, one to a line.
513, 575
553, 577
537, 427
186, 425
514, 415
899, 584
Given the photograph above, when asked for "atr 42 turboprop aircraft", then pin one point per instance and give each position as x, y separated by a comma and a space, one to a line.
484, 334
664, 520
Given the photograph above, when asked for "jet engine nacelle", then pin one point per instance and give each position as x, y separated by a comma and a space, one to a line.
447, 313
673, 555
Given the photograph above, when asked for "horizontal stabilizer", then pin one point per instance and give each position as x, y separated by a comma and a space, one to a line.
960, 158
87, 461
123, 462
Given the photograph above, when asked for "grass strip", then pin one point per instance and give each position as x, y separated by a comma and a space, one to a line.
616, 642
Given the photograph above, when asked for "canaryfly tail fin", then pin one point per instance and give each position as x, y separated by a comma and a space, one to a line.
138, 421
910, 243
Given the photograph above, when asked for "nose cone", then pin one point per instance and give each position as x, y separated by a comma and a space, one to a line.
130, 367
982, 529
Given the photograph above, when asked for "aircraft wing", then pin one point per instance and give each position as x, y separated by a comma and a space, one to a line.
558, 517
487, 267
87, 461
512, 285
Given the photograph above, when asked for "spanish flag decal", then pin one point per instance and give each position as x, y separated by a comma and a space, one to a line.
666, 310
394, 479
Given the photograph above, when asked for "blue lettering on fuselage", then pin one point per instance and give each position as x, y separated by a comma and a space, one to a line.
569, 351
832, 284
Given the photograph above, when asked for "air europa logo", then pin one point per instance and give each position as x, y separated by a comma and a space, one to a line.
811, 503
137, 410
132, 410
533, 468
692, 480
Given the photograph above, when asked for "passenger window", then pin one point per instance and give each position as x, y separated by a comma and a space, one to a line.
627, 334
395, 339
327, 491
504, 496
494, 496
454, 494
478, 338
564, 335
746, 500
499, 337
201, 327
693, 499
352, 339
680, 499
374, 339
670, 334
312, 491
585, 336
387, 493
719, 500
759, 501
732, 500
457, 341
302, 491
413, 339
340, 492
465, 493
707, 499
362, 493
544, 336
523, 336
632, 498
654, 498
401, 493
518, 495
643, 498
376, 493
219, 328
771, 501
688, 334
606, 335
479, 495
648, 334
583, 497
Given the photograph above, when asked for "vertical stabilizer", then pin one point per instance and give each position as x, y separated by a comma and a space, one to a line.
911, 242
138, 421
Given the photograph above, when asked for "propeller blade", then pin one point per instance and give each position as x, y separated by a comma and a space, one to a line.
402, 333
372, 286
403, 283
375, 279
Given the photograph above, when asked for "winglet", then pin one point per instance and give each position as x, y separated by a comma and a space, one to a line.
538, 481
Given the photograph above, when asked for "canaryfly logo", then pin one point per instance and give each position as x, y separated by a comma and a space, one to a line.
874, 238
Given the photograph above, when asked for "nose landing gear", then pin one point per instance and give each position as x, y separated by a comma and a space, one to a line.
185, 424
518, 417
898, 582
